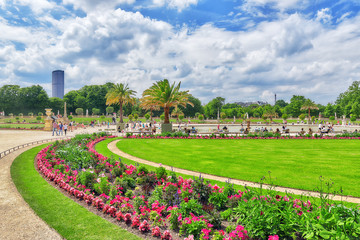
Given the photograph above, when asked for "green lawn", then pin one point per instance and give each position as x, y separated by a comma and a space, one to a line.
21, 125
68, 218
296, 163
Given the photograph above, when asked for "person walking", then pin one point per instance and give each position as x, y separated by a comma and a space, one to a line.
65, 128
55, 128
60, 128
71, 126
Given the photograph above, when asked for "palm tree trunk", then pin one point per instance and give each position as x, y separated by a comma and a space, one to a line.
166, 113
121, 113
309, 116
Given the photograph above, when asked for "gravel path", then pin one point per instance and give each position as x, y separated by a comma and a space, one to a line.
17, 219
112, 147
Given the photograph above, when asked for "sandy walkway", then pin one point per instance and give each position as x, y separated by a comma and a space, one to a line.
17, 219
112, 147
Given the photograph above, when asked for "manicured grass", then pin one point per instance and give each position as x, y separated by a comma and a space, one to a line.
296, 163
20, 125
68, 218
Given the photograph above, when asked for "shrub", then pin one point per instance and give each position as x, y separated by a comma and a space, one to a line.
142, 170
116, 172
147, 116
144, 226
193, 227
109, 110
156, 195
129, 194
192, 206
38, 118
174, 219
173, 177
79, 111
70, 117
161, 173
202, 189
155, 232
103, 186
87, 179
219, 200
130, 117
171, 195
136, 116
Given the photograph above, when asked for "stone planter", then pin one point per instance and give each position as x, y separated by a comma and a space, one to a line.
166, 127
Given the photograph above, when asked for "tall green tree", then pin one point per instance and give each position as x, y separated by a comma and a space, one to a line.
294, 107
9, 98
329, 110
70, 99
33, 99
166, 95
269, 112
120, 94
56, 104
213, 107
190, 111
309, 105
349, 96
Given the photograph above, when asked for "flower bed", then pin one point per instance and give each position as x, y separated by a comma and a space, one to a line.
179, 135
165, 206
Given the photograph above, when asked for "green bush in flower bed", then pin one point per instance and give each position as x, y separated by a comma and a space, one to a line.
194, 208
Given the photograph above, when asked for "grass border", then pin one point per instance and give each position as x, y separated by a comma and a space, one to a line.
102, 148
69, 219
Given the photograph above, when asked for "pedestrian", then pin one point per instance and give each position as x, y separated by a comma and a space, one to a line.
60, 128
55, 128
65, 128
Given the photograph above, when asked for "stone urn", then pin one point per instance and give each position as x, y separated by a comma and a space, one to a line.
48, 120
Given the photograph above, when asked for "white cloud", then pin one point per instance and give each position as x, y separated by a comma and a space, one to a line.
95, 5
175, 4
37, 6
287, 56
324, 15
281, 5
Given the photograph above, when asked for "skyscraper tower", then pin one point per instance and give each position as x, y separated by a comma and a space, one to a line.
275, 99
58, 83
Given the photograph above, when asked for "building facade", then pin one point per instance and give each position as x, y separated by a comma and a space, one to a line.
58, 84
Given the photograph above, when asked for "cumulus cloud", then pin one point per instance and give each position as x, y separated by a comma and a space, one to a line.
175, 4
287, 56
281, 5
324, 15
95, 5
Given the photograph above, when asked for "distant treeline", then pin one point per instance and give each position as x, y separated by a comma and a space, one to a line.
34, 99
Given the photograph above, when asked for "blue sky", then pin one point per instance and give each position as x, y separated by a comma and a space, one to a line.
240, 50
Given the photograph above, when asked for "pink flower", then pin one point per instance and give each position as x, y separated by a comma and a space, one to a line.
274, 237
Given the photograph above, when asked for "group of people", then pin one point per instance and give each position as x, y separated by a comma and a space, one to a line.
60, 128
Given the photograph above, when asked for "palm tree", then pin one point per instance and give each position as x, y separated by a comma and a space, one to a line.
309, 105
270, 113
120, 94
149, 106
164, 95
177, 112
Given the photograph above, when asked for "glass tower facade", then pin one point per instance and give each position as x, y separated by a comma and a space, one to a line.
58, 84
